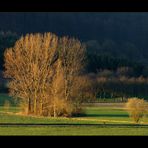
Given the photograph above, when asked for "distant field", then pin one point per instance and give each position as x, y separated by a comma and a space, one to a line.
101, 119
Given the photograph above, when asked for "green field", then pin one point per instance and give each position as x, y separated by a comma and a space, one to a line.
102, 119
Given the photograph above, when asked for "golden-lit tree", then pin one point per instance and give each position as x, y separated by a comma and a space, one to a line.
72, 56
137, 108
29, 66
67, 85
43, 72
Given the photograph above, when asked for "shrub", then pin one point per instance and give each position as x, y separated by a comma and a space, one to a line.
63, 107
59, 107
137, 108
6, 105
23, 107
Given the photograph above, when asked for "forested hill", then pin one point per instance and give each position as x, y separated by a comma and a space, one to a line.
121, 38
86, 26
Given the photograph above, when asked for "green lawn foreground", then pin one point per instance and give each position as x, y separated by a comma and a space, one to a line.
107, 121
99, 120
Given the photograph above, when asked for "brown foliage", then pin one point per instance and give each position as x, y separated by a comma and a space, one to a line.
28, 64
137, 108
42, 70
7, 105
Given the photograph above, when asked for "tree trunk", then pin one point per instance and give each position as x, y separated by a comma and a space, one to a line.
54, 110
29, 106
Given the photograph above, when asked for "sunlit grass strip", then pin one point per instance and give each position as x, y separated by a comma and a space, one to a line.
84, 119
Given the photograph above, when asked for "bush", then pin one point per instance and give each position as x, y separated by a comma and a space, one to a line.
137, 108
60, 107
63, 108
23, 107
6, 105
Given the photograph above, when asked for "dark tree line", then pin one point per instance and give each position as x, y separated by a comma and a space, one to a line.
116, 44
7, 40
108, 84
130, 27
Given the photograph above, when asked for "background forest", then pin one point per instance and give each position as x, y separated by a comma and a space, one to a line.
116, 44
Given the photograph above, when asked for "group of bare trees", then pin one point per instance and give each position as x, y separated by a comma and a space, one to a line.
107, 84
123, 87
45, 73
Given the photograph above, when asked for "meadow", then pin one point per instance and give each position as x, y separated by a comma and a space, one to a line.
101, 119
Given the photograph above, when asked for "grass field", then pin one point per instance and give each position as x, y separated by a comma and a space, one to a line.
103, 119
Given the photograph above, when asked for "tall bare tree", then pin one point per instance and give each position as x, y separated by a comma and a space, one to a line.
72, 55
28, 65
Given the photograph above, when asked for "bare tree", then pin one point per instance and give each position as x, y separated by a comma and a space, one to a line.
72, 55
28, 65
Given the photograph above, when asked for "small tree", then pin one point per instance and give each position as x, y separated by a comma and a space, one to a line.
6, 105
23, 108
137, 108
